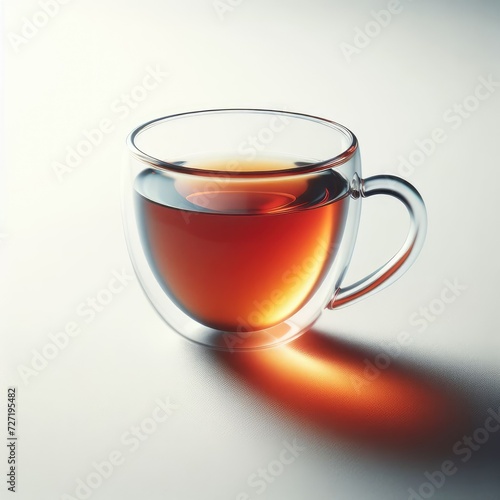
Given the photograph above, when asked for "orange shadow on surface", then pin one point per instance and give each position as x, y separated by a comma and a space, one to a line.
325, 382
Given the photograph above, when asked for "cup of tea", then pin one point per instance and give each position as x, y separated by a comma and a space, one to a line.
241, 223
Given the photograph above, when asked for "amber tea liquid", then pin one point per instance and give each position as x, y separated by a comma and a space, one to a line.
245, 254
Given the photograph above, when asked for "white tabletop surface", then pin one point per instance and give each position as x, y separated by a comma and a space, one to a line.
134, 410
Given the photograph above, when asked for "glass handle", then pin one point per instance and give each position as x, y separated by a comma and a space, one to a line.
401, 262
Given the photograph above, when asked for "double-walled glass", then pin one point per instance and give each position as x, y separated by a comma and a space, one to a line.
241, 223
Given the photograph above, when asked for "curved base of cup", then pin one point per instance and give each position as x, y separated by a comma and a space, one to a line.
244, 340
230, 341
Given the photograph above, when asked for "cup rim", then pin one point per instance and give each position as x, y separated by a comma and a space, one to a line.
156, 163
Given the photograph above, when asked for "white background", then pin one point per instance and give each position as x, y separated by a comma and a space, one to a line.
62, 239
